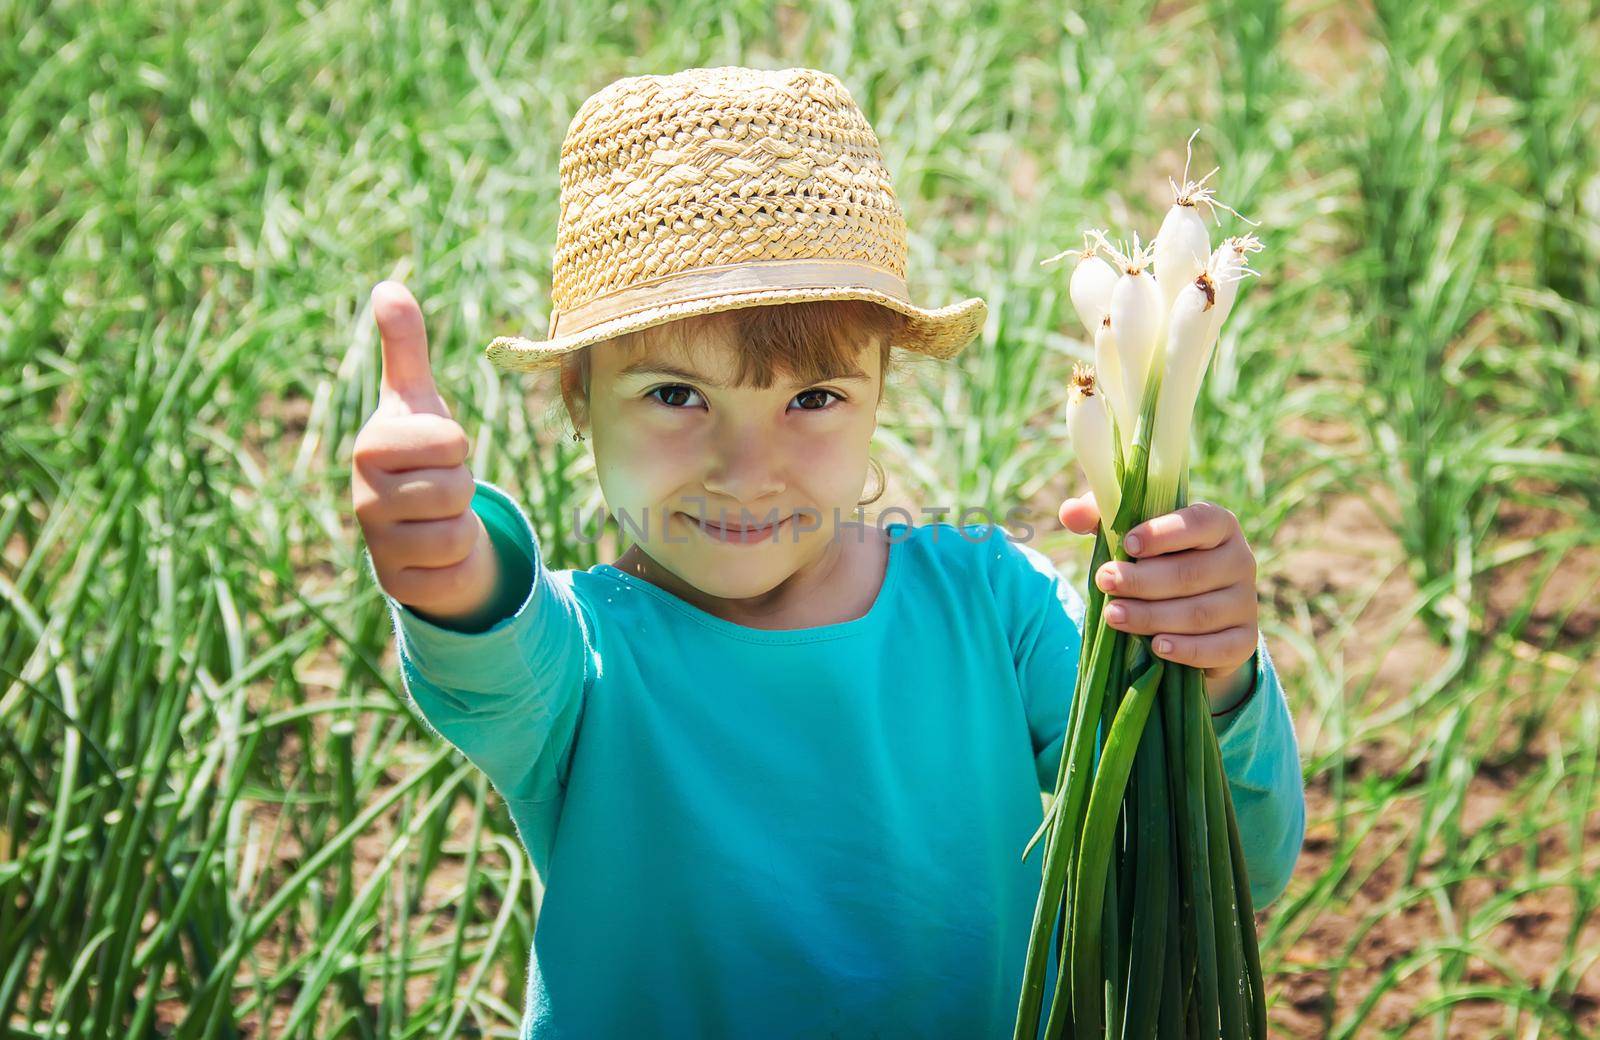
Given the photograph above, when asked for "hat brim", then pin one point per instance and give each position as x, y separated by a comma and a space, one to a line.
941, 332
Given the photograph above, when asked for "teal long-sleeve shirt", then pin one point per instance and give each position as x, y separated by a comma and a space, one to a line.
812, 832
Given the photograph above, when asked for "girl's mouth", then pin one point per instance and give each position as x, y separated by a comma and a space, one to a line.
734, 535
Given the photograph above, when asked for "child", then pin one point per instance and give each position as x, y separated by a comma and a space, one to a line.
774, 768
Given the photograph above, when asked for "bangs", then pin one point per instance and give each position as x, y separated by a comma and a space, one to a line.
808, 342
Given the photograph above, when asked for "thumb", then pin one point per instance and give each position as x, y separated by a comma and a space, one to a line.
407, 376
1081, 515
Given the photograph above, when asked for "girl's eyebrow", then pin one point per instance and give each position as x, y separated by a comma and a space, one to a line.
657, 368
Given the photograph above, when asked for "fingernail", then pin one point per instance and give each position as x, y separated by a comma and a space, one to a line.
1132, 544
1107, 579
1116, 613
1163, 646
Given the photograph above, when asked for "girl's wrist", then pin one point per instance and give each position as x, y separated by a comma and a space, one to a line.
1230, 694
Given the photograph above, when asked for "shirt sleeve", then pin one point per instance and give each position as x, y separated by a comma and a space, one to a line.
509, 697
1260, 754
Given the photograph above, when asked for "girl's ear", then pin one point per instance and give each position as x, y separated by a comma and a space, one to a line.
574, 395
578, 414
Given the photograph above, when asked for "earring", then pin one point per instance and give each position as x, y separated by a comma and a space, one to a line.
577, 436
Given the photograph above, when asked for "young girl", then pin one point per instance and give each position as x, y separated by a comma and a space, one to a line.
776, 766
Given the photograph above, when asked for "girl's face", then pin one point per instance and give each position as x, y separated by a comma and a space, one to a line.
675, 443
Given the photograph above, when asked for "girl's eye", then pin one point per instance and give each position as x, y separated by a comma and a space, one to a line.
824, 406
673, 388
679, 389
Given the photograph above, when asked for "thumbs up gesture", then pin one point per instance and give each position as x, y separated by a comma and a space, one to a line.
411, 486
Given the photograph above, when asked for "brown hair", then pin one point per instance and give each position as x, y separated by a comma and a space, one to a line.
809, 341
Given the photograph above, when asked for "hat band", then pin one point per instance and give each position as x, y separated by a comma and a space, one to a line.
727, 279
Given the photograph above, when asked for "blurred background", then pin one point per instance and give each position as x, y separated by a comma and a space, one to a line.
218, 817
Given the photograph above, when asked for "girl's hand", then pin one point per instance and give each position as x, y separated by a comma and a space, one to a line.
410, 483
1191, 585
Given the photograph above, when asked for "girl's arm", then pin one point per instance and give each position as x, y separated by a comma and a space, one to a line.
1260, 754
510, 695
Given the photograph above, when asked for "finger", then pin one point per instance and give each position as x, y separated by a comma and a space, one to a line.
1192, 615
397, 443
433, 543
1185, 573
1216, 652
407, 374
453, 583
1080, 515
1200, 525
436, 493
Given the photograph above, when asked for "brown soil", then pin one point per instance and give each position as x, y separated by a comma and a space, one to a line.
1369, 935
1336, 572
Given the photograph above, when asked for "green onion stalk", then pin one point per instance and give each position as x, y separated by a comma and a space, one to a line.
1144, 900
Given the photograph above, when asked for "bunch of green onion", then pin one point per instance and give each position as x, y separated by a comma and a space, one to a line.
1144, 885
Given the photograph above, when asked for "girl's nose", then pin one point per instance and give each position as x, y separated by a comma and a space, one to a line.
747, 469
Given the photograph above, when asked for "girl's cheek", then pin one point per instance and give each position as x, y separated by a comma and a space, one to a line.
638, 468
833, 468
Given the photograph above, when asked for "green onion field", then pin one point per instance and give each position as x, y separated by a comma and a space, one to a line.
218, 817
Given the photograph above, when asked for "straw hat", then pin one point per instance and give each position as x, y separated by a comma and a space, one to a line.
717, 188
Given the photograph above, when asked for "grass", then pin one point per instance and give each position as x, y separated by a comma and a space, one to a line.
219, 818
